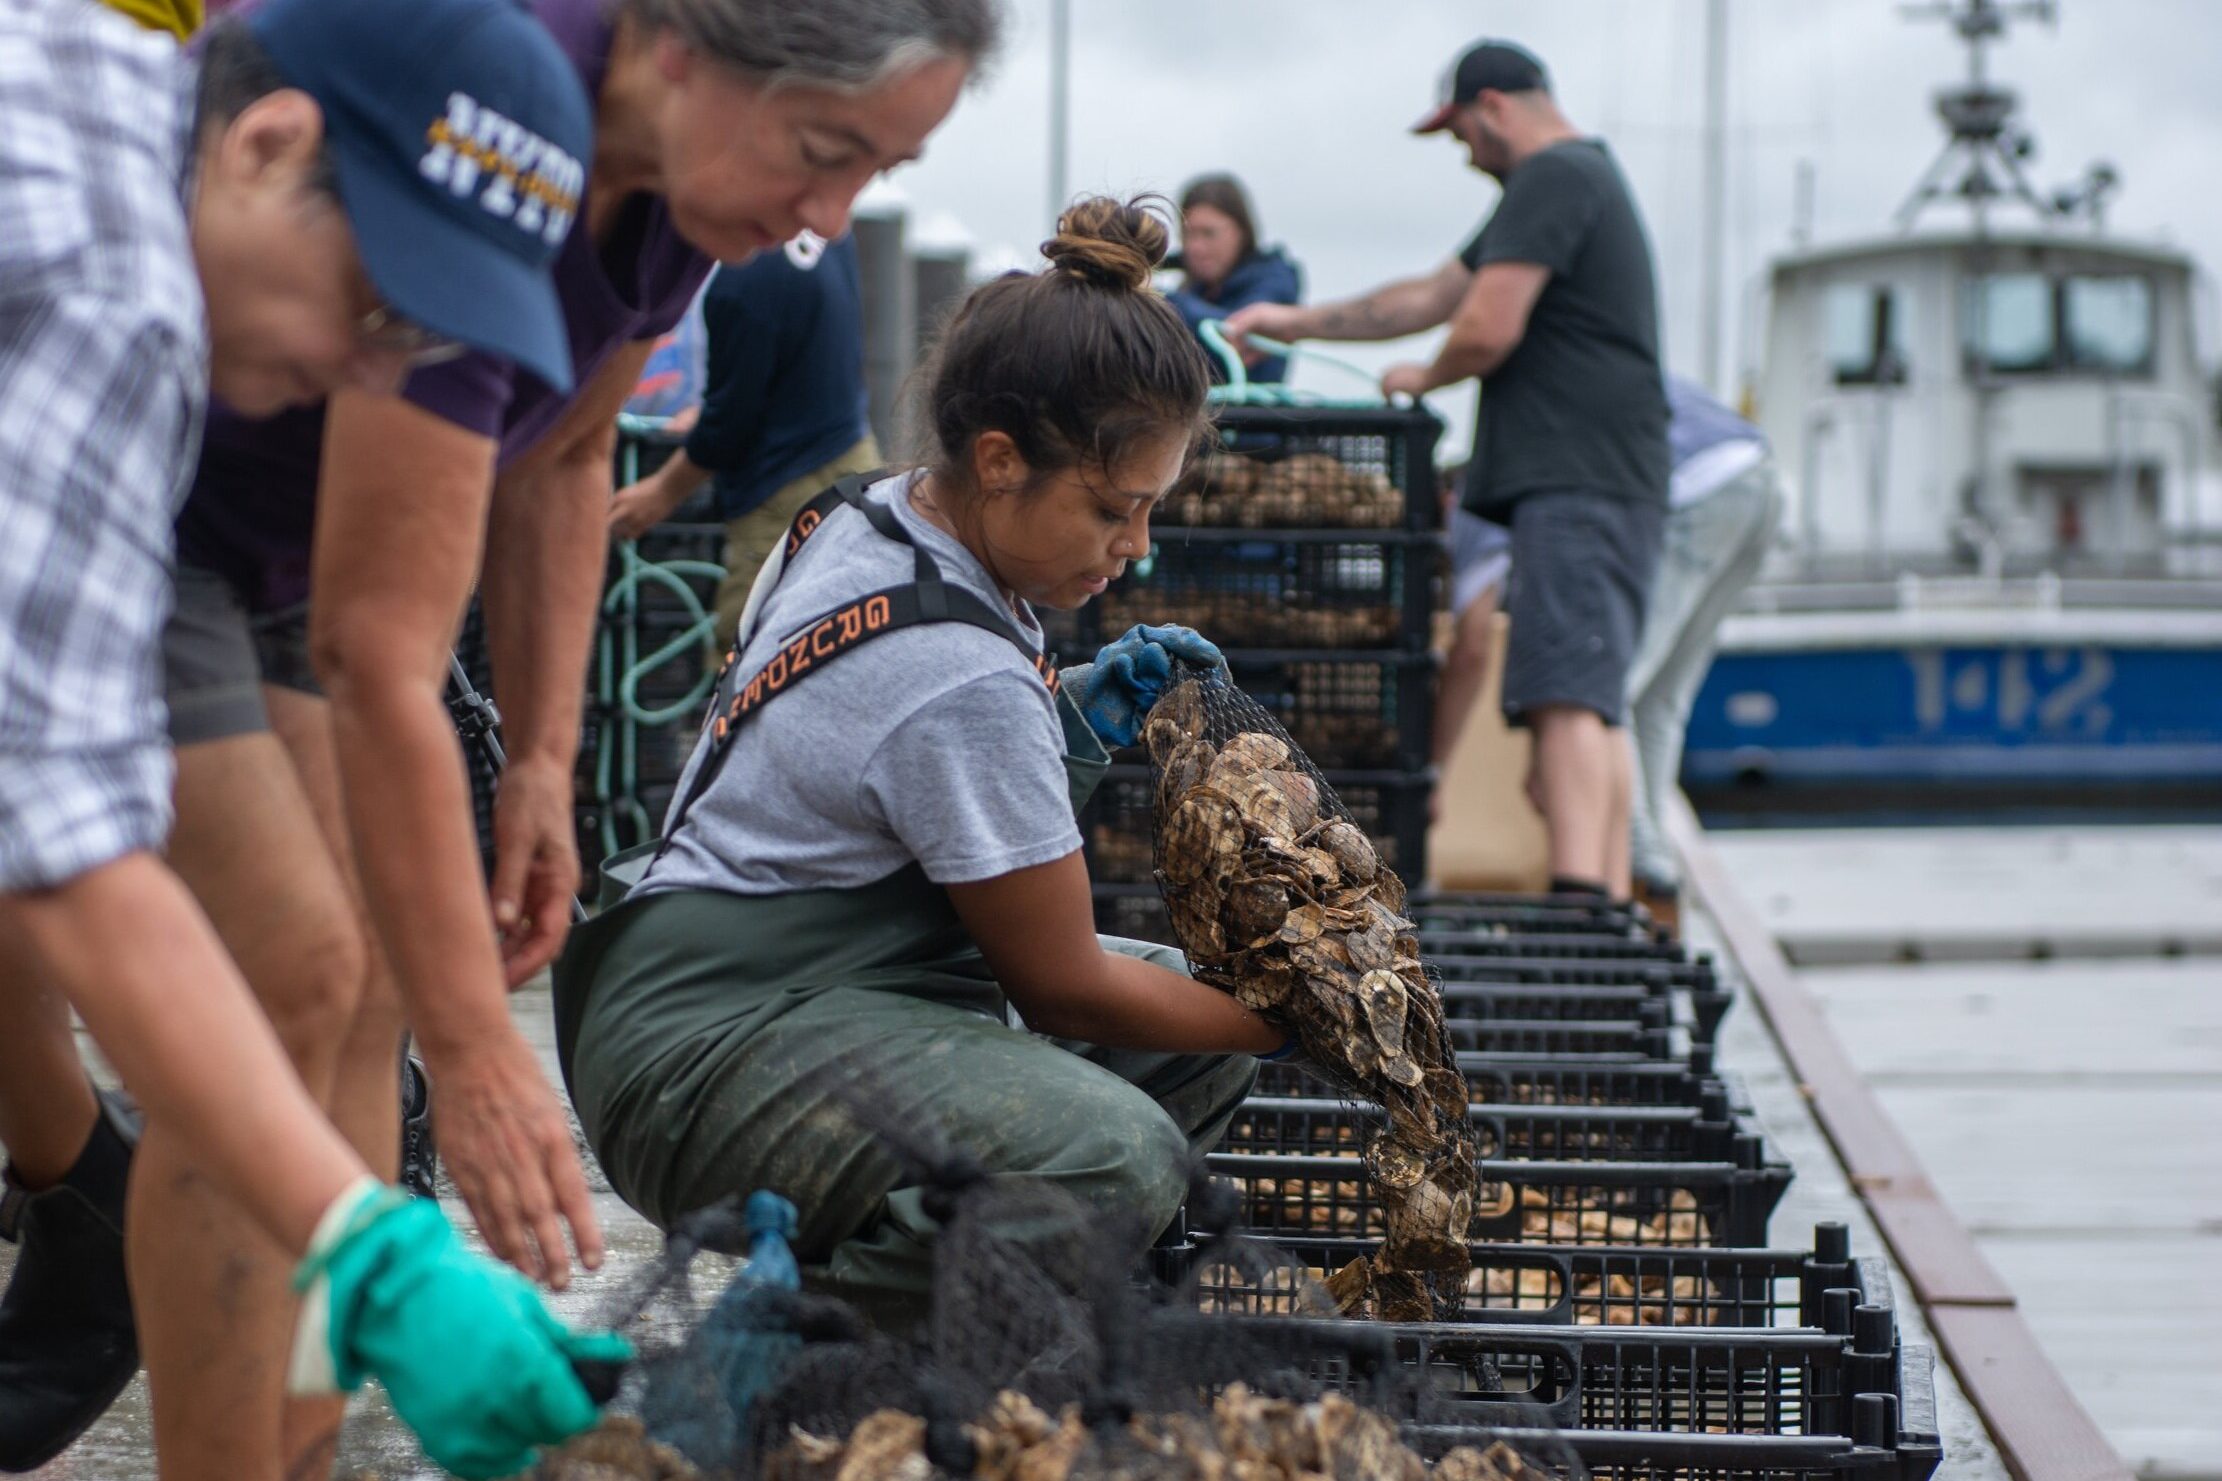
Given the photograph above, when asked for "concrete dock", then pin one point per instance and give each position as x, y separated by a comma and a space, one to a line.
2065, 1100
2040, 1012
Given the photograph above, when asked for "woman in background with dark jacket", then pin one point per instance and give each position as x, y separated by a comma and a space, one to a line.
1225, 268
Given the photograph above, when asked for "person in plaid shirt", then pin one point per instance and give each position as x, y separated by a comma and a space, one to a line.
274, 218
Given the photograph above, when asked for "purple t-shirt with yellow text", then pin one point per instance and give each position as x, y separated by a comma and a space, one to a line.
252, 512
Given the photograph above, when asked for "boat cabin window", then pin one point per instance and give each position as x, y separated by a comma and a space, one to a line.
1860, 330
2026, 323
2010, 324
2109, 323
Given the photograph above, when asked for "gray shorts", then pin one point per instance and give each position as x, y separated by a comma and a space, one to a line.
1582, 568
216, 656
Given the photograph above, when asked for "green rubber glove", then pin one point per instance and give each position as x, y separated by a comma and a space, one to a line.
472, 1360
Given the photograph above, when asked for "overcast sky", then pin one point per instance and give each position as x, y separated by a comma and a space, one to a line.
1309, 102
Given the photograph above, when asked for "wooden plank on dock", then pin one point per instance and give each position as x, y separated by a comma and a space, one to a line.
1889, 894
2042, 1432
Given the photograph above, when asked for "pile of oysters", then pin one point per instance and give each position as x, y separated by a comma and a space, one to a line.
1280, 900
1246, 1435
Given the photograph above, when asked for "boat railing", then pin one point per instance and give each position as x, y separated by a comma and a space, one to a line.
2041, 591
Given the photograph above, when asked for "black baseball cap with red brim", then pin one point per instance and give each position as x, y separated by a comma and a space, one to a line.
1487, 65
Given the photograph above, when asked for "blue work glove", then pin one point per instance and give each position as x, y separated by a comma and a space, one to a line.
472, 1360
1116, 691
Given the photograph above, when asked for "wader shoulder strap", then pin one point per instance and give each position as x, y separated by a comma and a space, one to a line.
925, 599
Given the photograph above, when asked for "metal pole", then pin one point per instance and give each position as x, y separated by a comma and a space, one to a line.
1716, 191
1060, 102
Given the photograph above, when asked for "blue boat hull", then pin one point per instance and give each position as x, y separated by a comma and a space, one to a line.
1961, 715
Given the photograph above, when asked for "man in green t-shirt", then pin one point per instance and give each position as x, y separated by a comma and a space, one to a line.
1552, 306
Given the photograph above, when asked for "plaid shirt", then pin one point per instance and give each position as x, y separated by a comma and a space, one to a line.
102, 380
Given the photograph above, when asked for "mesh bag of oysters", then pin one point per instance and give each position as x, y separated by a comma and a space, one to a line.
1280, 899
1044, 1355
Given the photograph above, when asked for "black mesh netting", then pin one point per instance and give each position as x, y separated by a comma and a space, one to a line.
1278, 898
1046, 1355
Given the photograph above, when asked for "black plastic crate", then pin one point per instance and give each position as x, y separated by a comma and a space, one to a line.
1543, 945
1118, 823
1619, 1403
1477, 996
1332, 590
1563, 1285
1459, 909
1477, 988
1538, 921
1553, 1202
1650, 1402
1345, 467
1319, 1126
1345, 711
1455, 965
1564, 1038
1503, 1081
1472, 993
1682, 1404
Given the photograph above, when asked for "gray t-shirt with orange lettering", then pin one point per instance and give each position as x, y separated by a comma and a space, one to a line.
936, 744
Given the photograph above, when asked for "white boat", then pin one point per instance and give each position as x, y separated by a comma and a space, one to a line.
2001, 572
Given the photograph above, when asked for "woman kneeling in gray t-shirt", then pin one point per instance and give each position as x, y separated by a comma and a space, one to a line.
873, 852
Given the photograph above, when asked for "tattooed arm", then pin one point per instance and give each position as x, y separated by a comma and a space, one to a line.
1388, 312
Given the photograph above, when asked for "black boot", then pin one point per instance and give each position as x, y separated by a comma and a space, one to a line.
420, 1159
67, 1342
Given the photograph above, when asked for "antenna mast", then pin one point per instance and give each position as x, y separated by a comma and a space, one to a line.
1983, 156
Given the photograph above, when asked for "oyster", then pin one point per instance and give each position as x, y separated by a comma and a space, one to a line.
1252, 750
1182, 708
1351, 849
1394, 1165
1302, 795
1382, 994
1180, 768
1202, 838
1304, 923
1256, 908
1264, 808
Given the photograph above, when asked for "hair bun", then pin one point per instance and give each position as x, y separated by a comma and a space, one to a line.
1110, 243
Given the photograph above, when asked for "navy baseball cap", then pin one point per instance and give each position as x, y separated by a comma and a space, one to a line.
1487, 65
458, 131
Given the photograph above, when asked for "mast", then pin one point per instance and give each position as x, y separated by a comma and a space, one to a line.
1716, 192
1060, 103
1984, 148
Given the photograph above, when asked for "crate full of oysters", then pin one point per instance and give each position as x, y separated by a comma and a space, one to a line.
1279, 899
1314, 467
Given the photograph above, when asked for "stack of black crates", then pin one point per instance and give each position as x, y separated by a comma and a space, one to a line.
1307, 545
1633, 1313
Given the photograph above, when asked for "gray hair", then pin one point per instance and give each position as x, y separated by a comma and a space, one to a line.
849, 45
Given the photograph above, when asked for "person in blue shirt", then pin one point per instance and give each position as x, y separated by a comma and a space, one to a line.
670, 384
1225, 269
783, 408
